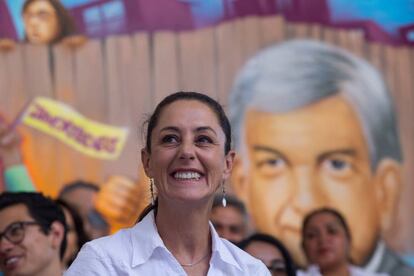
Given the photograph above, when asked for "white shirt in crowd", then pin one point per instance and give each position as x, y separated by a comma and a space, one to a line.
313, 270
140, 251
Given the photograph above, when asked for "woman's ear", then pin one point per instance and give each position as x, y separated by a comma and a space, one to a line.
229, 160
387, 187
145, 159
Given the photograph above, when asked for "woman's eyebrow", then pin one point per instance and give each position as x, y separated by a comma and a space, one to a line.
204, 128
170, 128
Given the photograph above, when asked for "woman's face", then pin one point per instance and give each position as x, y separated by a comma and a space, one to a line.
41, 22
72, 238
269, 255
187, 159
325, 241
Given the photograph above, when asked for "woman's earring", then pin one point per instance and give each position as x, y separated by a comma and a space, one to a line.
224, 201
152, 191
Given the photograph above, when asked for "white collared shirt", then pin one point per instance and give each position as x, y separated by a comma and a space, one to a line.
140, 251
313, 270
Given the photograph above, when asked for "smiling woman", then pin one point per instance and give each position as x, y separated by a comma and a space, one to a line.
187, 157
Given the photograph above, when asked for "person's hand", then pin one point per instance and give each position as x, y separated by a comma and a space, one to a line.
74, 41
121, 200
7, 44
10, 142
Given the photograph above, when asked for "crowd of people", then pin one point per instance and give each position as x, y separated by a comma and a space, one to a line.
191, 227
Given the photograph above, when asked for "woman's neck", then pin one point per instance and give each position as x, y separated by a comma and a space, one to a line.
339, 270
184, 230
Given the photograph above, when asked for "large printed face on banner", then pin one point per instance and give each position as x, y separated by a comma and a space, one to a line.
313, 156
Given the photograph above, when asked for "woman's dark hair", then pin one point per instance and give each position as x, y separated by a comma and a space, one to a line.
333, 212
193, 96
326, 210
289, 263
65, 21
152, 122
78, 223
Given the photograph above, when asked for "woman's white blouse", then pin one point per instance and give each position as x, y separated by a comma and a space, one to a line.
140, 251
354, 271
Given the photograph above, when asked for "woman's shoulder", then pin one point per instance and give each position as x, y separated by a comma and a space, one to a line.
358, 271
107, 245
108, 255
243, 260
355, 271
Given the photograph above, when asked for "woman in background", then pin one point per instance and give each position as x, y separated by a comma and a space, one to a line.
75, 234
326, 241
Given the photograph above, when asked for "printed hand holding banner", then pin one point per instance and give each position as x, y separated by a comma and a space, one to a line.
63, 122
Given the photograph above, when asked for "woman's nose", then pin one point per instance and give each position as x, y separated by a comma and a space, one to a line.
187, 150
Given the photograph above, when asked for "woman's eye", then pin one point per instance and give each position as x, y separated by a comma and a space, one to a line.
204, 140
168, 139
310, 236
332, 231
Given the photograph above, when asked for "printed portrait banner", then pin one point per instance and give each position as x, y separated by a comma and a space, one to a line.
66, 124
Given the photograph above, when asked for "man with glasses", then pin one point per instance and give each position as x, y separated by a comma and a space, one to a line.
230, 222
32, 235
271, 252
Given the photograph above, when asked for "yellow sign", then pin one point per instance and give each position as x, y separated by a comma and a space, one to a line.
63, 122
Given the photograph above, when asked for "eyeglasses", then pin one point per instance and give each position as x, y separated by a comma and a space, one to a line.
14, 233
277, 267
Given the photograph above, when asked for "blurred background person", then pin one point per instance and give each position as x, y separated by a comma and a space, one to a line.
32, 235
81, 196
118, 201
271, 252
75, 233
231, 222
121, 199
326, 242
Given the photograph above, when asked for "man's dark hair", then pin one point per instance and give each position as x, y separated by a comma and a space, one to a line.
231, 201
290, 265
77, 184
42, 209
